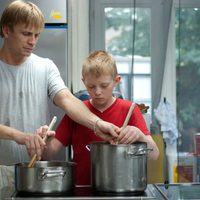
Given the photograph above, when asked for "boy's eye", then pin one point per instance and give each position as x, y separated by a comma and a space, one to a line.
104, 86
26, 33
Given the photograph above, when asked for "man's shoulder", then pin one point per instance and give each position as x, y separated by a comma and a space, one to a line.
37, 58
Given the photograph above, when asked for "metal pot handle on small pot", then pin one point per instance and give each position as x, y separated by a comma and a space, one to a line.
51, 173
135, 151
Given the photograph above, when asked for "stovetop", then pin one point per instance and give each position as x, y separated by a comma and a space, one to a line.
182, 191
85, 193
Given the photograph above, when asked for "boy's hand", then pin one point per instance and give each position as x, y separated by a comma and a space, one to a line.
129, 135
43, 130
107, 131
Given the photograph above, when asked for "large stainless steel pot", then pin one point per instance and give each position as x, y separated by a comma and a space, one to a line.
119, 168
45, 177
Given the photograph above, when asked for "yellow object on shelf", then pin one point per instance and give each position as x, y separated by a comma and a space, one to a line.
155, 168
175, 174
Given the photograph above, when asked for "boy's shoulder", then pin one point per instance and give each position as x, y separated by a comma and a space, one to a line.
86, 102
124, 102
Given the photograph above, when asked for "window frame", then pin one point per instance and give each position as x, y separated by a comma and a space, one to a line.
158, 38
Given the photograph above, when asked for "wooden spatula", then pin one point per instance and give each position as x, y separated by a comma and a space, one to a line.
34, 158
127, 118
128, 115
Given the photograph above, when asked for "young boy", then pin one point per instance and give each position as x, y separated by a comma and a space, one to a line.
99, 74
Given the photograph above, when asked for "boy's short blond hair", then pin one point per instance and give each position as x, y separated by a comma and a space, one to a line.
99, 63
21, 12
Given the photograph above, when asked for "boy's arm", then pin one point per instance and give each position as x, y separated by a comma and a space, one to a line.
131, 134
52, 149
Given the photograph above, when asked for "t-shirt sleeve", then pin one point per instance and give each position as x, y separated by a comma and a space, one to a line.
55, 81
64, 131
139, 121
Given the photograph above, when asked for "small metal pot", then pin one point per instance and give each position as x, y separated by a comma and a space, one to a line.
46, 177
119, 168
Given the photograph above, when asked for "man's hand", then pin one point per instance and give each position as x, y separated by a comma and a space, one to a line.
41, 133
34, 141
107, 131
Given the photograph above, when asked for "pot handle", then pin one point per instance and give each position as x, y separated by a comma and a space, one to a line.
52, 173
132, 151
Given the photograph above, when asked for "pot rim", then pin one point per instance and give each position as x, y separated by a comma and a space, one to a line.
116, 145
49, 164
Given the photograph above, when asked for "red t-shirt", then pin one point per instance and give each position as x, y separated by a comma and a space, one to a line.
78, 136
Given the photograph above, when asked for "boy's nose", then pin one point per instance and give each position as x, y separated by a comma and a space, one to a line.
98, 91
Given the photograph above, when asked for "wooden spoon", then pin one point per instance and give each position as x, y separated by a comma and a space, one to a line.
128, 115
127, 118
34, 158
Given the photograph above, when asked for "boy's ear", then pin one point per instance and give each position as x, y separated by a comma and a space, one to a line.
83, 81
117, 79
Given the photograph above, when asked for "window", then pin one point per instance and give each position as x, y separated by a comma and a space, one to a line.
128, 30
188, 72
142, 67
127, 38
140, 78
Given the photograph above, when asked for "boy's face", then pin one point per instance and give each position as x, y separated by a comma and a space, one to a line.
21, 40
100, 89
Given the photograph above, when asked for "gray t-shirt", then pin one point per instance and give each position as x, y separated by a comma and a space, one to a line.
24, 92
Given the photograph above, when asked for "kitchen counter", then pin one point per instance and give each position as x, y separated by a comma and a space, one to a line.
185, 191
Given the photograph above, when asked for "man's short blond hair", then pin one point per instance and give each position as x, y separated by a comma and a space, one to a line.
99, 63
21, 12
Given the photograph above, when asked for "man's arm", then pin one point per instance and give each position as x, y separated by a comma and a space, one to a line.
77, 111
12, 134
33, 142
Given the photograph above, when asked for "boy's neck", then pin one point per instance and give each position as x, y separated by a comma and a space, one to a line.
104, 107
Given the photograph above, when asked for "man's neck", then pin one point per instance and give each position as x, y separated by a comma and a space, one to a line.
10, 59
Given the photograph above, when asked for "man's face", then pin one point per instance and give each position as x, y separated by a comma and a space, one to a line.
21, 40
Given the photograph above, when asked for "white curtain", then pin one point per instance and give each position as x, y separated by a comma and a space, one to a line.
78, 41
159, 54
168, 89
169, 77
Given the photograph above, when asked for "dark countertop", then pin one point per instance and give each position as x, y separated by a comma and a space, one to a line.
179, 191
85, 193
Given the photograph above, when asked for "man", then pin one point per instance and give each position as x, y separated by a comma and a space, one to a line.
27, 80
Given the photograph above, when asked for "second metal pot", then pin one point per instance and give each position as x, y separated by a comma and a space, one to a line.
46, 177
119, 168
